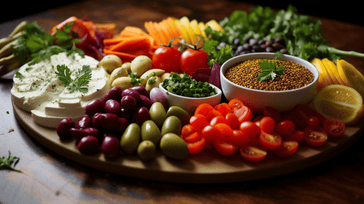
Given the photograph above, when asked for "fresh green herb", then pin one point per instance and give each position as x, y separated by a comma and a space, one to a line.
151, 81
19, 75
134, 80
81, 81
270, 70
5, 163
220, 56
186, 86
7, 112
278, 55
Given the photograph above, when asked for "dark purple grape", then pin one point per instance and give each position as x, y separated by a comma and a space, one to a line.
109, 122
84, 122
88, 144
96, 120
144, 102
110, 146
141, 115
63, 128
112, 106
128, 102
131, 92
79, 133
113, 93
141, 90
95, 106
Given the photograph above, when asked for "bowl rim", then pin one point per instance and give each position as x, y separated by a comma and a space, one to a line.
218, 90
285, 57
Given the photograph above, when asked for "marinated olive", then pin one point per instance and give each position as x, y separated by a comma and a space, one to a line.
181, 114
88, 144
150, 131
140, 64
146, 150
63, 128
84, 122
157, 113
130, 139
173, 146
109, 122
112, 106
110, 146
79, 133
95, 106
113, 93
141, 115
171, 125
110, 62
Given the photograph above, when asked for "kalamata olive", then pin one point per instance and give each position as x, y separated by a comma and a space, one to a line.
124, 113
96, 121
247, 47
141, 115
144, 102
123, 124
113, 93
131, 92
284, 51
277, 46
141, 90
84, 122
252, 41
112, 106
63, 128
110, 146
109, 122
95, 106
128, 102
269, 49
237, 41
79, 133
88, 144
279, 40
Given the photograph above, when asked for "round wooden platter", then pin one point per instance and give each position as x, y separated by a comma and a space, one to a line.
205, 167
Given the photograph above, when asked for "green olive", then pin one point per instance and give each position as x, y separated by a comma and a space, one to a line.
110, 62
150, 131
130, 139
181, 113
140, 64
146, 150
171, 125
173, 146
157, 113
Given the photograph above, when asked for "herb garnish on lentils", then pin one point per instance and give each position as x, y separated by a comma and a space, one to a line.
186, 86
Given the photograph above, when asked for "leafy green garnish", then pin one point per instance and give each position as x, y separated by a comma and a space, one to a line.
269, 70
19, 75
5, 163
81, 81
220, 56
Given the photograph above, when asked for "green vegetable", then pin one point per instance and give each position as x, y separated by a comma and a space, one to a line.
186, 86
81, 81
220, 56
5, 163
269, 70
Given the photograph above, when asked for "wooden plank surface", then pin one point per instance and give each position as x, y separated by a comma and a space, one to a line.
48, 177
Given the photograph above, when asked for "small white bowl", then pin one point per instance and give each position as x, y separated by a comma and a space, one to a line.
256, 99
189, 103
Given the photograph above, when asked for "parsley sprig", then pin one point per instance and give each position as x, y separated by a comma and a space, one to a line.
5, 163
81, 80
270, 70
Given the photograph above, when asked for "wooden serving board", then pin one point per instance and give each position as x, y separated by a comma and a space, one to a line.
206, 167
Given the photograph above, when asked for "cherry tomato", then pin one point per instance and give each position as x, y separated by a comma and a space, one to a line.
187, 130
297, 136
240, 139
285, 127
270, 141
273, 113
213, 113
287, 149
334, 127
223, 108
316, 137
210, 133
192, 59
203, 109
225, 132
168, 59
196, 147
193, 137
267, 124
251, 130
301, 114
241, 111
313, 122
253, 154
218, 119
198, 122
225, 148
232, 121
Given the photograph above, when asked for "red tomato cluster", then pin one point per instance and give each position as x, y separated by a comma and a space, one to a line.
230, 127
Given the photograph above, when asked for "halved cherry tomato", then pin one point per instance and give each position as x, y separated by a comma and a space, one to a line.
302, 113
218, 119
223, 108
251, 130
167, 58
210, 133
297, 136
198, 122
240, 110
196, 147
193, 137
316, 137
267, 124
285, 128
287, 149
211, 114
187, 130
270, 141
253, 154
232, 121
334, 127
203, 109
225, 148
273, 113
240, 139
192, 59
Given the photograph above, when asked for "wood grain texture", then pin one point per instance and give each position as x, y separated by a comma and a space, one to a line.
48, 177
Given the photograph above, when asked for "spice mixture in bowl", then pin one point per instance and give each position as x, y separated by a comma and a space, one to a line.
259, 80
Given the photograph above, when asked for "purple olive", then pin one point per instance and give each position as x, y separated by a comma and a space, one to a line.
144, 102
125, 114
110, 146
84, 122
63, 128
79, 133
141, 90
123, 124
109, 122
141, 115
96, 120
113, 93
131, 92
88, 144
128, 102
95, 106
112, 106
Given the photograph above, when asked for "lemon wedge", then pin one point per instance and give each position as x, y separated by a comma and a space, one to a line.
354, 78
330, 65
340, 102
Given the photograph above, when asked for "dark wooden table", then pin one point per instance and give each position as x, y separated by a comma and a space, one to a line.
49, 178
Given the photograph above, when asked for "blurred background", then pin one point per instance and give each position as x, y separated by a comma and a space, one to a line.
346, 11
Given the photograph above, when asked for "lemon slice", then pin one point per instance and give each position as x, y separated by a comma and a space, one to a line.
354, 77
332, 67
338, 101
323, 75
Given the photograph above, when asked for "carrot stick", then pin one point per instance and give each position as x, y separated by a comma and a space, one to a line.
132, 43
123, 56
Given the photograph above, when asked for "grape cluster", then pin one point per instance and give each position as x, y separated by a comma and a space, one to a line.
250, 45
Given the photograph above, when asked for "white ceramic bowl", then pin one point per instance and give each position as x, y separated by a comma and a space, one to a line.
189, 103
256, 99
